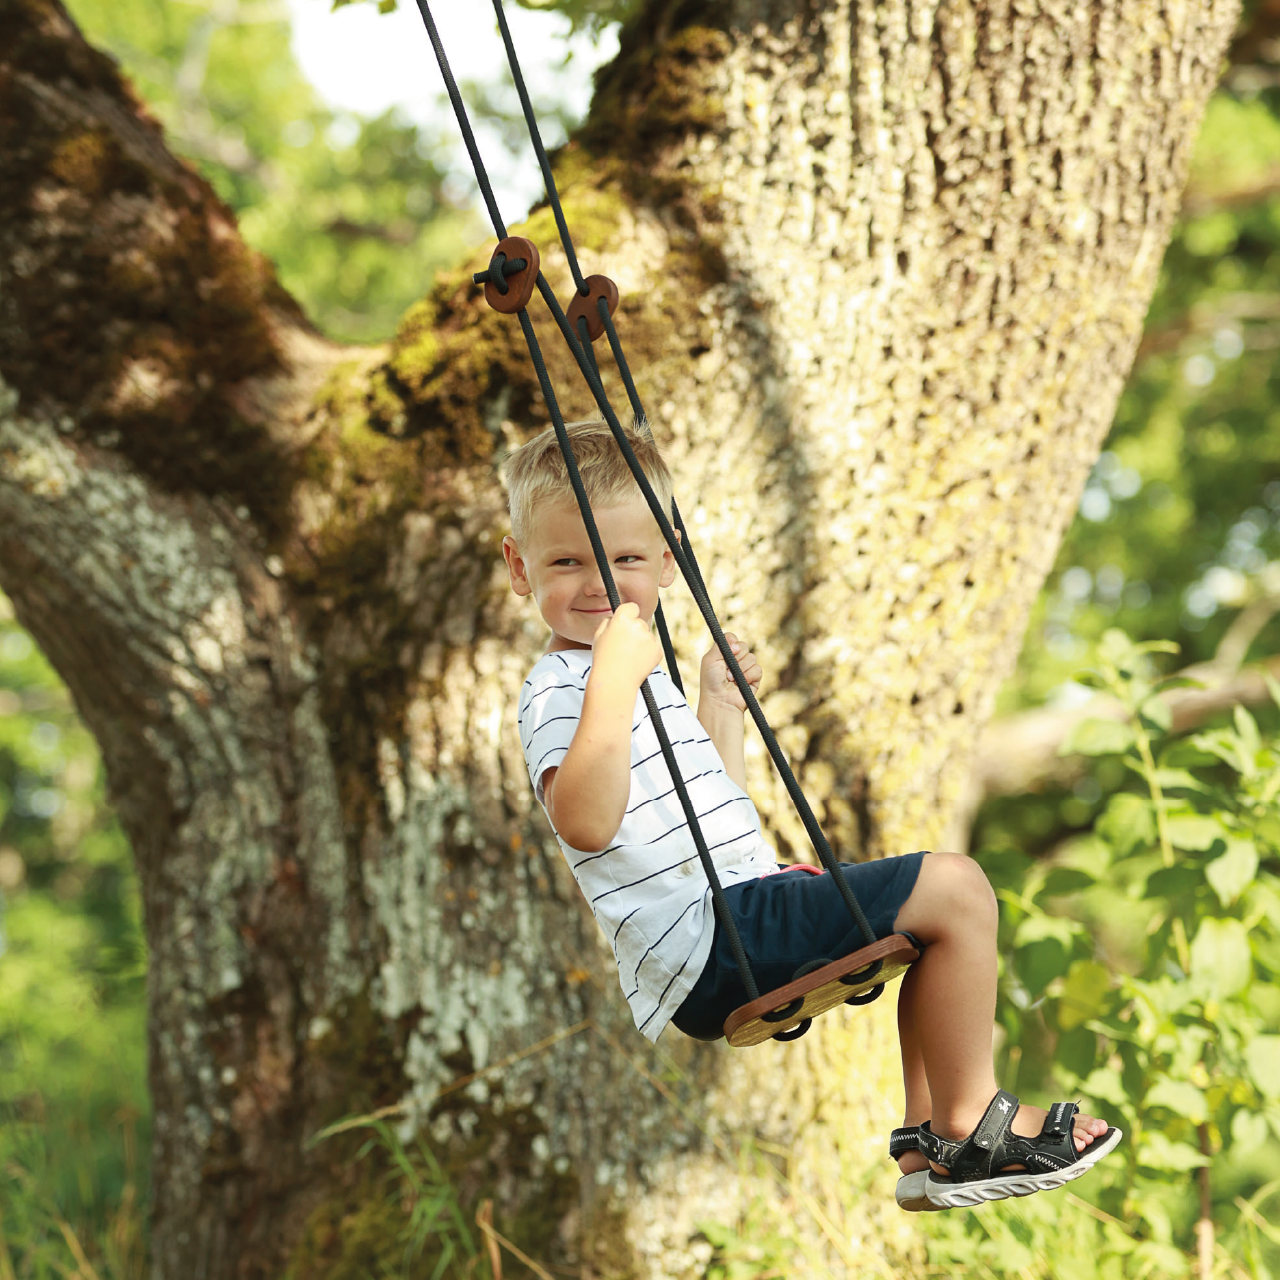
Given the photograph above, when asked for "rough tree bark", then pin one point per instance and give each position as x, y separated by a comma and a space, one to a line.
884, 264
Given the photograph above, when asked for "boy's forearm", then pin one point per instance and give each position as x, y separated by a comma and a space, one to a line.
588, 796
725, 729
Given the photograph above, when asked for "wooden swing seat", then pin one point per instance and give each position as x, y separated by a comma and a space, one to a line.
819, 991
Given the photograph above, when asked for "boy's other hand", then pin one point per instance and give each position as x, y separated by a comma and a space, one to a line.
717, 685
624, 647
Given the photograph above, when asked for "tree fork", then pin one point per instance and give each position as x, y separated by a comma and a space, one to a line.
881, 340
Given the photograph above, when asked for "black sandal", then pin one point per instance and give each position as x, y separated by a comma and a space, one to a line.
974, 1164
910, 1191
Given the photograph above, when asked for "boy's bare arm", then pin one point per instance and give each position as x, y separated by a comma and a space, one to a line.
586, 796
721, 706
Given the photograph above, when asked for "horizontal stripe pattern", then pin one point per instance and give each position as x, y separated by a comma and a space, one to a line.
647, 890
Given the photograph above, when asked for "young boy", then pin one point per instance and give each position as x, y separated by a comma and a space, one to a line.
595, 765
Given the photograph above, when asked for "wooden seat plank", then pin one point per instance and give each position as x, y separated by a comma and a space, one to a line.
821, 990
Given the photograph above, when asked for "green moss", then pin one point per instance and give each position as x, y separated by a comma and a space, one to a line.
84, 160
655, 93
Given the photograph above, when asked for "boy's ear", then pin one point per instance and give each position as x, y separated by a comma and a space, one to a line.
668, 575
515, 567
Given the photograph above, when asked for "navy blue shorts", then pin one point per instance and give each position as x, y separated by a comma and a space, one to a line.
785, 920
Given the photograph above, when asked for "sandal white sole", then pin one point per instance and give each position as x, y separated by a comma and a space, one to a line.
942, 1193
911, 1194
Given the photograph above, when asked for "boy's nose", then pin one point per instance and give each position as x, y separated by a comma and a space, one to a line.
596, 586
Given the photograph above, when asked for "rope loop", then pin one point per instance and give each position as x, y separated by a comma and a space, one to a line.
787, 1011
796, 1032
861, 975
867, 996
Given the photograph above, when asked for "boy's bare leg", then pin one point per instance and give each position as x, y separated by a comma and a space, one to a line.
915, 1084
946, 1009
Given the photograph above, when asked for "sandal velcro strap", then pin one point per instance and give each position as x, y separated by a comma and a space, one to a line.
903, 1140
938, 1149
1060, 1120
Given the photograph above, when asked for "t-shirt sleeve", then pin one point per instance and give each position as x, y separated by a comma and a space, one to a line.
550, 708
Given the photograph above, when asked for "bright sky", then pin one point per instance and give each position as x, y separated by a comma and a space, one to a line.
363, 61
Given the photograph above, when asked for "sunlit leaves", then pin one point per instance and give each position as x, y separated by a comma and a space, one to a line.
1263, 1059
1233, 872
1177, 1039
1095, 737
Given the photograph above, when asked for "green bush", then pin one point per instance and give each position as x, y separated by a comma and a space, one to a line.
1140, 974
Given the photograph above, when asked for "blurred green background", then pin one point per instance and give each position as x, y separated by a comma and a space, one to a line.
1129, 888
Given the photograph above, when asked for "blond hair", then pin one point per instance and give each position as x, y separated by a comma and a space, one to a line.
536, 475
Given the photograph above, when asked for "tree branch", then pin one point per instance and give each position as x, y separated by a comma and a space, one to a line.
134, 316
1020, 752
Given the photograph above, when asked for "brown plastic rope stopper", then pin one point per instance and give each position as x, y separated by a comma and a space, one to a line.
586, 305
520, 284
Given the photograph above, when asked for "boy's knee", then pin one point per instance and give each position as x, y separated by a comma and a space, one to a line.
966, 885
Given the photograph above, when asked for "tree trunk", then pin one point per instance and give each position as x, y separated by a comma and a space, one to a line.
883, 269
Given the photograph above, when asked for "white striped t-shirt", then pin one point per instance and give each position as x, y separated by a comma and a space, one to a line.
647, 889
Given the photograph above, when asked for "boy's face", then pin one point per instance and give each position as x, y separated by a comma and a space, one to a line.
556, 567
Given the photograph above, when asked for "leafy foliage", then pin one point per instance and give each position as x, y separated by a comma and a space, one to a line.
1142, 964
593, 15
73, 1105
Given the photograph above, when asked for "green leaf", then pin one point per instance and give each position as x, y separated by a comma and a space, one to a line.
1084, 994
1195, 831
1105, 1085
1077, 1051
1039, 924
1248, 1130
1005, 868
1157, 713
1273, 687
1270, 788
1116, 648
1247, 728
1220, 957
1093, 737
1172, 882
1178, 780
1038, 963
1234, 871
1179, 682
1128, 822
1224, 745
1262, 1057
1155, 1151
1063, 880
1268, 827
1179, 1096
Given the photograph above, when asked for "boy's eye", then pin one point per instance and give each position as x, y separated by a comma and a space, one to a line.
563, 562
627, 559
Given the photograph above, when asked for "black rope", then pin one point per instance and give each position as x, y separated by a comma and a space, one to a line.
536, 135
655, 716
664, 633
688, 566
798, 798
719, 901
464, 124
566, 241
